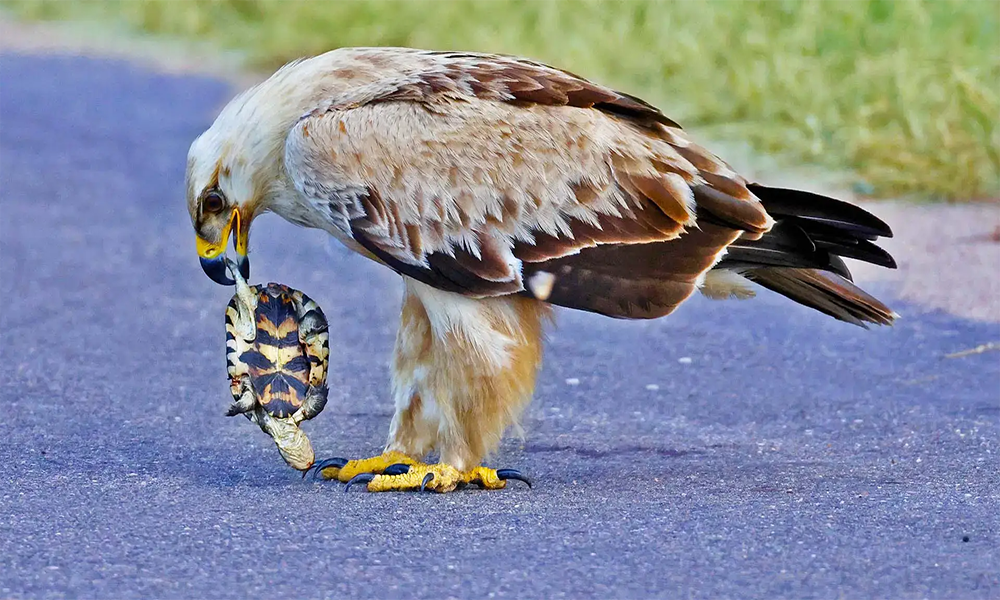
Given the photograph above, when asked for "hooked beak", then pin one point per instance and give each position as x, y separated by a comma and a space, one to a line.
213, 255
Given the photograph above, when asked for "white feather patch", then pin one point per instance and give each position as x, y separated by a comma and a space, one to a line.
721, 284
540, 284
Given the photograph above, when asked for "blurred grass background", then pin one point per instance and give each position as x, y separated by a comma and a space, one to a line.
903, 94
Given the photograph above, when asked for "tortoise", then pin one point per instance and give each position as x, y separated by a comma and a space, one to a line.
277, 354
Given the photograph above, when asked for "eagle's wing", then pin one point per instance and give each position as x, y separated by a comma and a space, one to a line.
477, 174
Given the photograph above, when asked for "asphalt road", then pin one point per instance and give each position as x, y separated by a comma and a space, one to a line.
790, 456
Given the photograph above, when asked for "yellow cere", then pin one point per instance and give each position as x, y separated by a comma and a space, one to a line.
207, 249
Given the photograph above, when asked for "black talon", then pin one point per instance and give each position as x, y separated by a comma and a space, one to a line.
427, 479
330, 462
512, 474
364, 478
397, 469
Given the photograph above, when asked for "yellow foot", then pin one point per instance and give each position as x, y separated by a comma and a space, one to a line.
396, 472
345, 470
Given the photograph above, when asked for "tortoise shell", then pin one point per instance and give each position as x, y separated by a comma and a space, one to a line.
279, 369
278, 361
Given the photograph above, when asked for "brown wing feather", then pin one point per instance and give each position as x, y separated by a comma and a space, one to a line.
657, 279
512, 79
467, 171
458, 271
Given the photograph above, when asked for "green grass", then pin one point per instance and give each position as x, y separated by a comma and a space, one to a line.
902, 94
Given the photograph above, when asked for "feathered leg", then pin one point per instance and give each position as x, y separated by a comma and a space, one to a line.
463, 370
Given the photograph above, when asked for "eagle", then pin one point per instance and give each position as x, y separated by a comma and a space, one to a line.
497, 187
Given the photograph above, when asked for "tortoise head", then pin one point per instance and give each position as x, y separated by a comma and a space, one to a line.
293, 444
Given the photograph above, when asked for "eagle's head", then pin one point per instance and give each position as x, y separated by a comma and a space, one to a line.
235, 169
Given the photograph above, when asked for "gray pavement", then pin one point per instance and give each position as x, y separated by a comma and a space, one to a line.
792, 456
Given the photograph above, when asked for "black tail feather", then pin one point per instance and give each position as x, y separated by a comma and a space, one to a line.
801, 256
836, 240
780, 202
786, 245
828, 293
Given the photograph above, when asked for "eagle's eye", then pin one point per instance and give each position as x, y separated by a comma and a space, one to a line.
212, 202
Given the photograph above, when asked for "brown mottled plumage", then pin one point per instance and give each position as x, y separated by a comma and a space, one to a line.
492, 184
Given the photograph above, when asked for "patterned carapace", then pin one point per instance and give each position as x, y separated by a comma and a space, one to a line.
286, 361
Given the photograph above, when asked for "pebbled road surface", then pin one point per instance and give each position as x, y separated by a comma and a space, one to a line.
791, 456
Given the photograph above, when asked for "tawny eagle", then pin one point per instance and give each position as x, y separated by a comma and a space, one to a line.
498, 186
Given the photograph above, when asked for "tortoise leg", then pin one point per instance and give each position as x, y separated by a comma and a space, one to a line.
244, 401
314, 403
